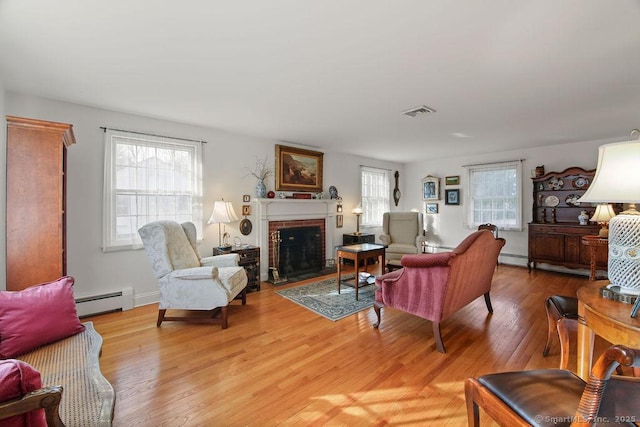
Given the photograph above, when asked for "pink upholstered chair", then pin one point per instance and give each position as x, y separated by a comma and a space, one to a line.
434, 286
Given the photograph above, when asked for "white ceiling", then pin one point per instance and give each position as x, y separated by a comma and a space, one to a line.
337, 74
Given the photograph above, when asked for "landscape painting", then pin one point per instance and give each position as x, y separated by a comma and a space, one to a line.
298, 169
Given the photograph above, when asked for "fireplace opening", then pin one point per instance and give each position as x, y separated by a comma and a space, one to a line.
301, 250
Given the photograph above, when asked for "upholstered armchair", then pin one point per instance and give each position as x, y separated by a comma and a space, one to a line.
435, 286
186, 281
403, 233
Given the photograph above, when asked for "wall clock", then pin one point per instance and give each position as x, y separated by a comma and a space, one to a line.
396, 191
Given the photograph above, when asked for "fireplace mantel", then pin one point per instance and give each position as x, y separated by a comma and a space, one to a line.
292, 209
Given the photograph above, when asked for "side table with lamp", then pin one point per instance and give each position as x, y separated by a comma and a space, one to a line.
616, 181
223, 213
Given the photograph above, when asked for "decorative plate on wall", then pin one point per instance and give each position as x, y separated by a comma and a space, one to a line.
551, 201
556, 184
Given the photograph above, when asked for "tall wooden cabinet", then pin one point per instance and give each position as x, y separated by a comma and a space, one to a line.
555, 234
36, 201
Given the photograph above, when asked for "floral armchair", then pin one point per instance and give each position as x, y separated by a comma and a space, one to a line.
186, 281
435, 286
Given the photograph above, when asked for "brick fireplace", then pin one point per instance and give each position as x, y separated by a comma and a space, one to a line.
310, 253
273, 214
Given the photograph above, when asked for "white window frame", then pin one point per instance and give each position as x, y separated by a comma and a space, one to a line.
149, 183
375, 194
494, 195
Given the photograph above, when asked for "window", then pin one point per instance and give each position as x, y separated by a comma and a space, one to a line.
495, 195
148, 178
375, 195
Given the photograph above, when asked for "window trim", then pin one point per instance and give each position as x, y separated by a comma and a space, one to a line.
468, 196
112, 137
387, 190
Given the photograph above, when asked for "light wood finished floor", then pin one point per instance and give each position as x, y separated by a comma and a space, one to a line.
280, 364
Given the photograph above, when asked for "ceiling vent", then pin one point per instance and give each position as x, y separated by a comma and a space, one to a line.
419, 111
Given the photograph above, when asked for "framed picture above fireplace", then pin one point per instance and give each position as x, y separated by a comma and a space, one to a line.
298, 169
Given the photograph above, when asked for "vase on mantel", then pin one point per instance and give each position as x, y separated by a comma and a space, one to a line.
261, 190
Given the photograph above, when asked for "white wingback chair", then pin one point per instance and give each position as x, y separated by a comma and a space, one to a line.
403, 233
186, 281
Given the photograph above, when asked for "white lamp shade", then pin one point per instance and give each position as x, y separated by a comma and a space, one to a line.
357, 210
604, 212
223, 213
616, 179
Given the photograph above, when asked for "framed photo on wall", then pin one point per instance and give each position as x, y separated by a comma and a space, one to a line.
431, 208
452, 197
298, 169
430, 188
246, 198
452, 180
339, 221
246, 209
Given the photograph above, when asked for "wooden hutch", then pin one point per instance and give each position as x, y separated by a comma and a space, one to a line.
555, 232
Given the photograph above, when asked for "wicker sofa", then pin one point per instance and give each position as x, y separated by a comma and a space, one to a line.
74, 386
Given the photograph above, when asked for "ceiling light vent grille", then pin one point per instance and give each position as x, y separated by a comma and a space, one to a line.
419, 111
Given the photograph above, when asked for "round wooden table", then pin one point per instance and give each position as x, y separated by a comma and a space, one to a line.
607, 318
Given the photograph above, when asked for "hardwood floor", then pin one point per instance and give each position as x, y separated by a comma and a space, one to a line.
280, 364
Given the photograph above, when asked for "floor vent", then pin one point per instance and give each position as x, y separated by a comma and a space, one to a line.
105, 303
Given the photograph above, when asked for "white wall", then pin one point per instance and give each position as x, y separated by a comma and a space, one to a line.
445, 229
226, 157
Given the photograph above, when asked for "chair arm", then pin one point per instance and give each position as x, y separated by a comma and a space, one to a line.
195, 273
226, 260
47, 398
419, 240
385, 239
427, 260
601, 372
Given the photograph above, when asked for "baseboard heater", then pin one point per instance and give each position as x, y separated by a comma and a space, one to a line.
105, 303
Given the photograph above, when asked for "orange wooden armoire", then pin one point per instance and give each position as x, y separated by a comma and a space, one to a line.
36, 201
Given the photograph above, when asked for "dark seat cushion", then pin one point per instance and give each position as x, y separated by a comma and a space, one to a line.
566, 306
543, 397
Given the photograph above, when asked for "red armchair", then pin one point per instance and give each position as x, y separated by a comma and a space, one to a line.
434, 286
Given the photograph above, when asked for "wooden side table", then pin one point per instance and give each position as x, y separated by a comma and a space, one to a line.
605, 317
357, 253
593, 243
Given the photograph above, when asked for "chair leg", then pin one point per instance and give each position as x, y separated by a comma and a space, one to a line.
563, 335
473, 412
244, 296
487, 301
160, 317
223, 317
551, 326
438, 336
377, 307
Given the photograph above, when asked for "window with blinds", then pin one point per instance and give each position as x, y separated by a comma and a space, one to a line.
495, 195
148, 178
375, 195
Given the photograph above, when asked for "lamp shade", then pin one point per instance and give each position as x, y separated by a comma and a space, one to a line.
223, 213
604, 212
616, 179
357, 210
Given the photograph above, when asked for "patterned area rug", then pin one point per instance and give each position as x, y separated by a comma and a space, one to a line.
322, 298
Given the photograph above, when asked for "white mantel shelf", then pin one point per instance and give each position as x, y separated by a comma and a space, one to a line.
292, 209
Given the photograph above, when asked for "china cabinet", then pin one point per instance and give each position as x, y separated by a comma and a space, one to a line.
555, 233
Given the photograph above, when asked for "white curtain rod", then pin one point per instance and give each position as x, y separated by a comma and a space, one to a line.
104, 129
494, 163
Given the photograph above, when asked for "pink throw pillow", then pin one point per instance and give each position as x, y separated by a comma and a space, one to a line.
19, 378
36, 316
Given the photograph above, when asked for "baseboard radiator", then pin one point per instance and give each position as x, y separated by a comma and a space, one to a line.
105, 303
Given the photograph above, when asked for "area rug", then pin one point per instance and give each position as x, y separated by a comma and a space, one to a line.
322, 298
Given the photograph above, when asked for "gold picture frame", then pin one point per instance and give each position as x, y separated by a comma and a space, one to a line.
298, 169
452, 180
246, 209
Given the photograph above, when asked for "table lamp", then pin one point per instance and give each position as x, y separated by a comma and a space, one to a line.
603, 214
357, 211
223, 213
616, 181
